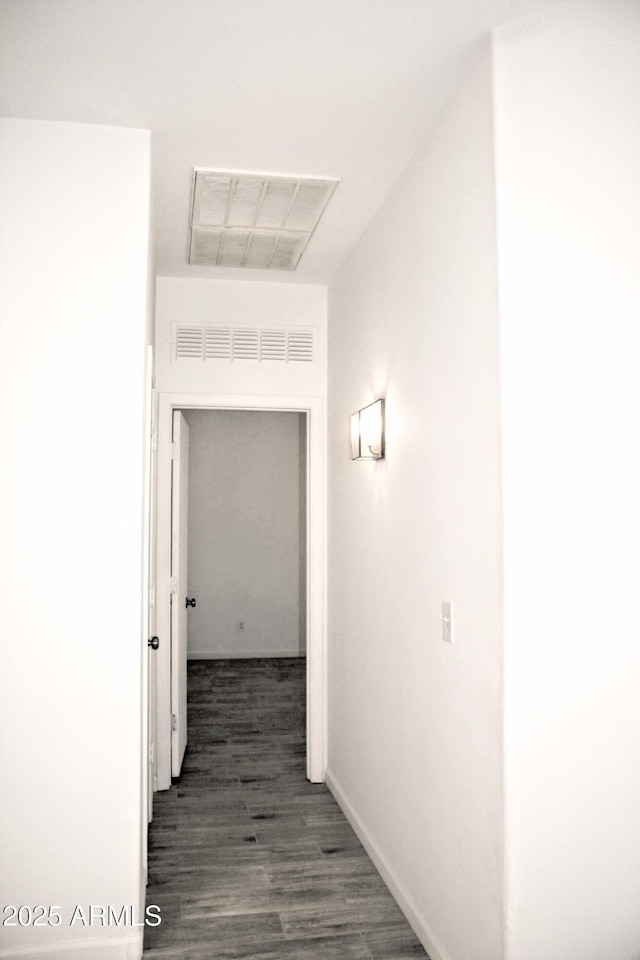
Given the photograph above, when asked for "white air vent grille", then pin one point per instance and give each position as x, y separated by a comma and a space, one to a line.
189, 342
254, 220
217, 343
259, 344
273, 345
246, 345
300, 346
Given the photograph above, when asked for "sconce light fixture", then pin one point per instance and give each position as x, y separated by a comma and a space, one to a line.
367, 432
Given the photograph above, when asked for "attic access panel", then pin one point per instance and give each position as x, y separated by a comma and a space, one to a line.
254, 221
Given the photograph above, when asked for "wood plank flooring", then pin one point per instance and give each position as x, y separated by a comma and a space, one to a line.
247, 859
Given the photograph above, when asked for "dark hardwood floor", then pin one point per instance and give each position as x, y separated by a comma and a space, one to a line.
247, 859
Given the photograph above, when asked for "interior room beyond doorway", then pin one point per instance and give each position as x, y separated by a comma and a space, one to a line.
247, 533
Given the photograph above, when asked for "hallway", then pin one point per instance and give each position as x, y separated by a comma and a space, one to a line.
247, 859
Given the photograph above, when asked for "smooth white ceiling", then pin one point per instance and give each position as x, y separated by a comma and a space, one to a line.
330, 88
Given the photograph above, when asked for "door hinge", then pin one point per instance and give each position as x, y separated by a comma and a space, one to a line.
154, 441
151, 752
174, 584
152, 596
175, 451
174, 722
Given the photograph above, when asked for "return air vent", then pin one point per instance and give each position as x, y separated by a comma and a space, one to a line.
246, 345
189, 343
253, 220
217, 343
273, 344
262, 345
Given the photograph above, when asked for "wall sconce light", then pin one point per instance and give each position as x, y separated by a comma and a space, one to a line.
367, 432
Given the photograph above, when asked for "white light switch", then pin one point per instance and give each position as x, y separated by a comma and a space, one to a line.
447, 621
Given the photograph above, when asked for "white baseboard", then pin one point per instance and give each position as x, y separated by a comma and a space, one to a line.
113, 948
242, 654
397, 889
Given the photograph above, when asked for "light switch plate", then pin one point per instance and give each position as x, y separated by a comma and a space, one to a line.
447, 621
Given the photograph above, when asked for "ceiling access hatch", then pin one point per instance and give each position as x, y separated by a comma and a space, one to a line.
253, 220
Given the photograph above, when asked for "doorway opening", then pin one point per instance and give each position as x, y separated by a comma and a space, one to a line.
240, 503
298, 627
247, 534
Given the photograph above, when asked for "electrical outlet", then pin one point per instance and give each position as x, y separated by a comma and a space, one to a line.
447, 621
240, 626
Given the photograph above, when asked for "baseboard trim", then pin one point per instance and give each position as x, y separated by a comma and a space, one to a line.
245, 654
115, 948
402, 898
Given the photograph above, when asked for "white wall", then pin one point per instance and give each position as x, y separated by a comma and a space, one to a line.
73, 260
245, 564
240, 304
568, 136
415, 734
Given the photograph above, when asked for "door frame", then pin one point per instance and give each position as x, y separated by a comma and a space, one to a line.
146, 620
316, 712
179, 572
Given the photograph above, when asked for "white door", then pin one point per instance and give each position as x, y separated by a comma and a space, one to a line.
179, 524
148, 615
148, 622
